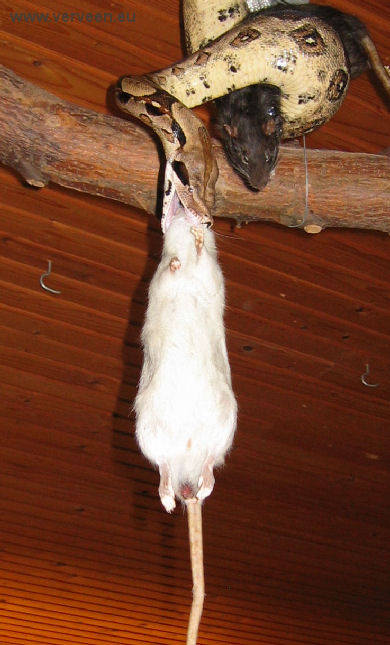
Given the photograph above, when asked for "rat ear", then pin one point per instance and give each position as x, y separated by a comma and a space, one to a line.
231, 130
269, 127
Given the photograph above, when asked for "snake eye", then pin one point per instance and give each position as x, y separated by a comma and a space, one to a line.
153, 110
122, 97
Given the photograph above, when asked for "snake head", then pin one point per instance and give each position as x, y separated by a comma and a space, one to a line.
191, 170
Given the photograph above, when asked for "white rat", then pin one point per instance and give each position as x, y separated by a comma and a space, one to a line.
185, 407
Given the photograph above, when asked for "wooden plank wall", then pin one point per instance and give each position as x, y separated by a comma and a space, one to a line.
297, 531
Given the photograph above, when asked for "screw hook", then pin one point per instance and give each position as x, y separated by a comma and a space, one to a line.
45, 275
363, 377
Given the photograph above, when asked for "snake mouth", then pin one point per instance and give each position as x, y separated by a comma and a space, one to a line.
170, 211
179, 196
175, 208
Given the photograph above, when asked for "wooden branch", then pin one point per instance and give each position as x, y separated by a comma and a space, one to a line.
47, 140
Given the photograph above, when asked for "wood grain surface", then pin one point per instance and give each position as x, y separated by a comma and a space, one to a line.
297, 531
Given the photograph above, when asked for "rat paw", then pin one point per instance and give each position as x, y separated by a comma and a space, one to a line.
165, 490
168, 501
204, 491
205, 487
206, 480
198, 234
174, 264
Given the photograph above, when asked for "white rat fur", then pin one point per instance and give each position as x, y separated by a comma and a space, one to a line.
185, 407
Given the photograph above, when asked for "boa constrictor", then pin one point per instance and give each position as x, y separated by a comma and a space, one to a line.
303, 57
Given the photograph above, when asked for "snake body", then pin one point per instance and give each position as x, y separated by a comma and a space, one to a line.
304, 57
206, 20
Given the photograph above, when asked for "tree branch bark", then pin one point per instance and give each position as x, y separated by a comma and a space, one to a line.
47, 139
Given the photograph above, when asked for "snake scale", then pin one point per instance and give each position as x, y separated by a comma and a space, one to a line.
303, 57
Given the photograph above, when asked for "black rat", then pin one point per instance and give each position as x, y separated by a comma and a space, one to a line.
249, 120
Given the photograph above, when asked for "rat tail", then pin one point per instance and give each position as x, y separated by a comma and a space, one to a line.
194, 513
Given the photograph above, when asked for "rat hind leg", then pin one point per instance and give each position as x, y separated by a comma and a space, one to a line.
206, 480
165, 489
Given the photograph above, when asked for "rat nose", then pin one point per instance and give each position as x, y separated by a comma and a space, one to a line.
258, 174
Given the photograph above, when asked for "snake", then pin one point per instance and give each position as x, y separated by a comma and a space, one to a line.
228, 50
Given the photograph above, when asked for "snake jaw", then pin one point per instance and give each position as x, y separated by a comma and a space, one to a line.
176, 193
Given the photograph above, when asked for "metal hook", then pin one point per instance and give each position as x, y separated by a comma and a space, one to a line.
45, 275
306, 188
363, 377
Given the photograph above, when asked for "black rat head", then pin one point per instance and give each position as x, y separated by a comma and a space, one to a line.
250, 127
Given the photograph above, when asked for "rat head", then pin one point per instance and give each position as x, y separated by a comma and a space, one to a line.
250, 127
